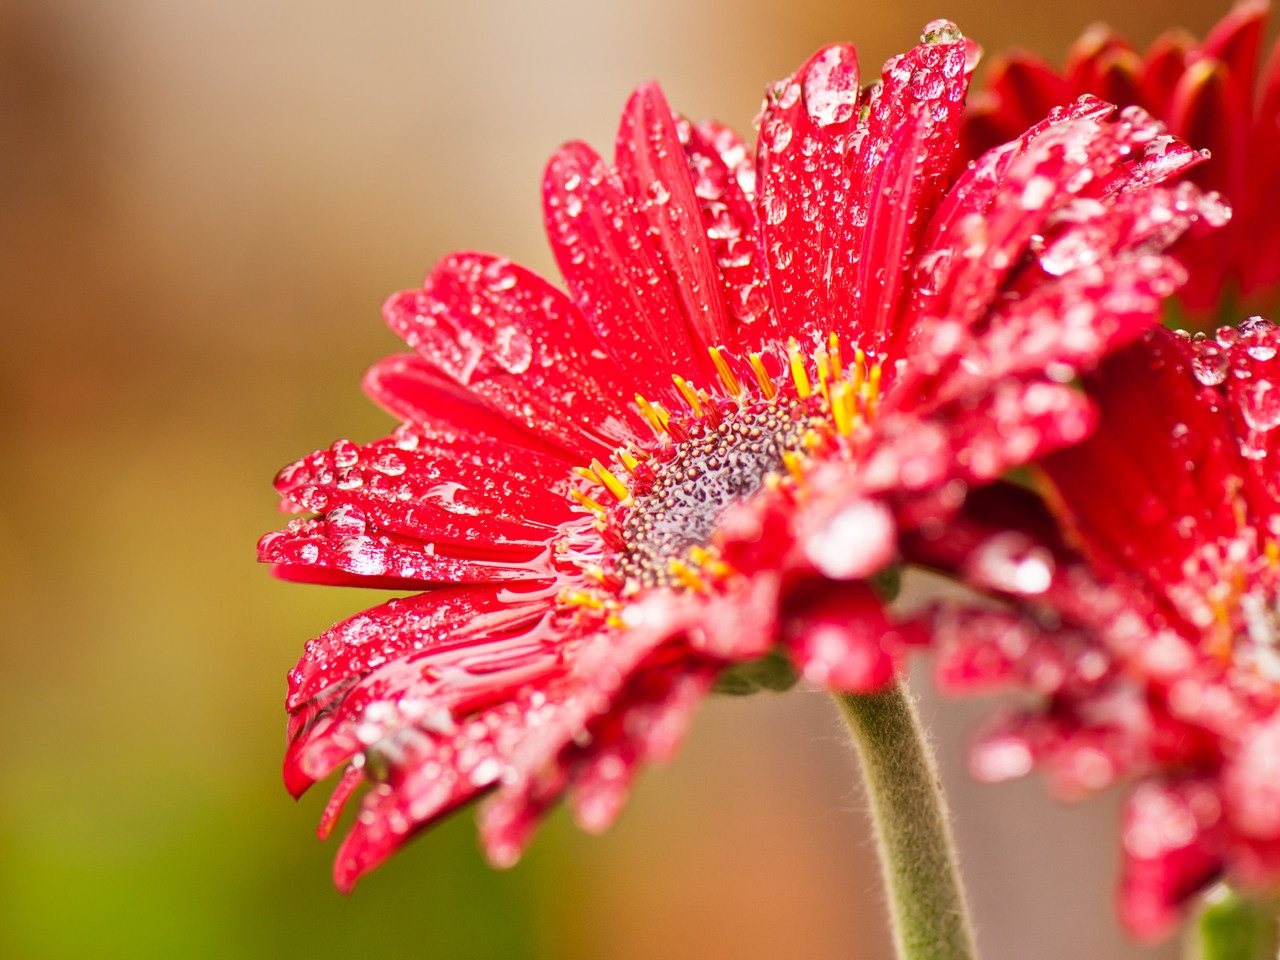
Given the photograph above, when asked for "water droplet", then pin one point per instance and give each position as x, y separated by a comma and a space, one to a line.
781, 254
345, 521
1209, 364
1260, 404
775, 209
1259, 338
941, 31
788, 94
345, 454
658, 192
512, 349
1038, 189
831, 87
390, 464
781, 135
926, 85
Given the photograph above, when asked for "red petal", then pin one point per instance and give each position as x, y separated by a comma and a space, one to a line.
410, 388
1203, 112
521, 347
1026, 88
651, 164
1120, 78
1169, 855
314, 553
1236, 41
1166, 62
809, 227
723, 170
1259, 227
616, 276
435, 672
841, 638
1087, 55
836, 209
475, 494
1164, 459
400, 627
516, 742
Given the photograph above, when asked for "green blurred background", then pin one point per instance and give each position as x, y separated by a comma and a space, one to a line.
202, 205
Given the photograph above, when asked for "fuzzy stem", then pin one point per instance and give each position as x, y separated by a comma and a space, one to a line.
927, 905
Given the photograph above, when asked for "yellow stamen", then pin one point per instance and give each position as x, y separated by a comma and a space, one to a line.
823, 363
587, 502
682, 572
762, 377
586, 474
833, 348
709, 562
651, 414
842, 407
727, 376
1273, 553
580, 598
616, 486
629, 461
859, 367
690, 395
616, 622
792, 463
664, 418
595, 572
873, 391
798, 373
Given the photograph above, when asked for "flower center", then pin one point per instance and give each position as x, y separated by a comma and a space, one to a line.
659, 531
718, 465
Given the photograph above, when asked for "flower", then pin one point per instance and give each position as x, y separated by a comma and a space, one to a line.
1205, 92
1150, 628
864, 334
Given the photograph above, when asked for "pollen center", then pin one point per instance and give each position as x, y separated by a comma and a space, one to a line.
733, 440
697, 478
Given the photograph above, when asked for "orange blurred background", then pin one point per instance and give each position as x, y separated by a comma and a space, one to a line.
204, 204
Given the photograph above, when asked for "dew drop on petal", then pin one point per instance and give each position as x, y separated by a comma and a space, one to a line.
1260, 404
941, 31
831, 88
775, 209
1209, 365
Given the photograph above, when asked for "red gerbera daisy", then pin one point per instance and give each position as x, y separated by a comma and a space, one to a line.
823, 343
1207, 94
1155, 642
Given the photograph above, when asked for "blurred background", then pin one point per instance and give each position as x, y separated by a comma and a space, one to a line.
202, 205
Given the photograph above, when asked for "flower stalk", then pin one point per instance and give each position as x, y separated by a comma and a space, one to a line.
927, 907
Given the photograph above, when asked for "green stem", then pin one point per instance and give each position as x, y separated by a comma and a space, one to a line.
917, 854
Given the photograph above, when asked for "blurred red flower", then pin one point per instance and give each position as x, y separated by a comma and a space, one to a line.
1151, 628
1207, 93
827, 342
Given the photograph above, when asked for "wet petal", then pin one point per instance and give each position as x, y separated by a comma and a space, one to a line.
652, 167
614, 273
518, 344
